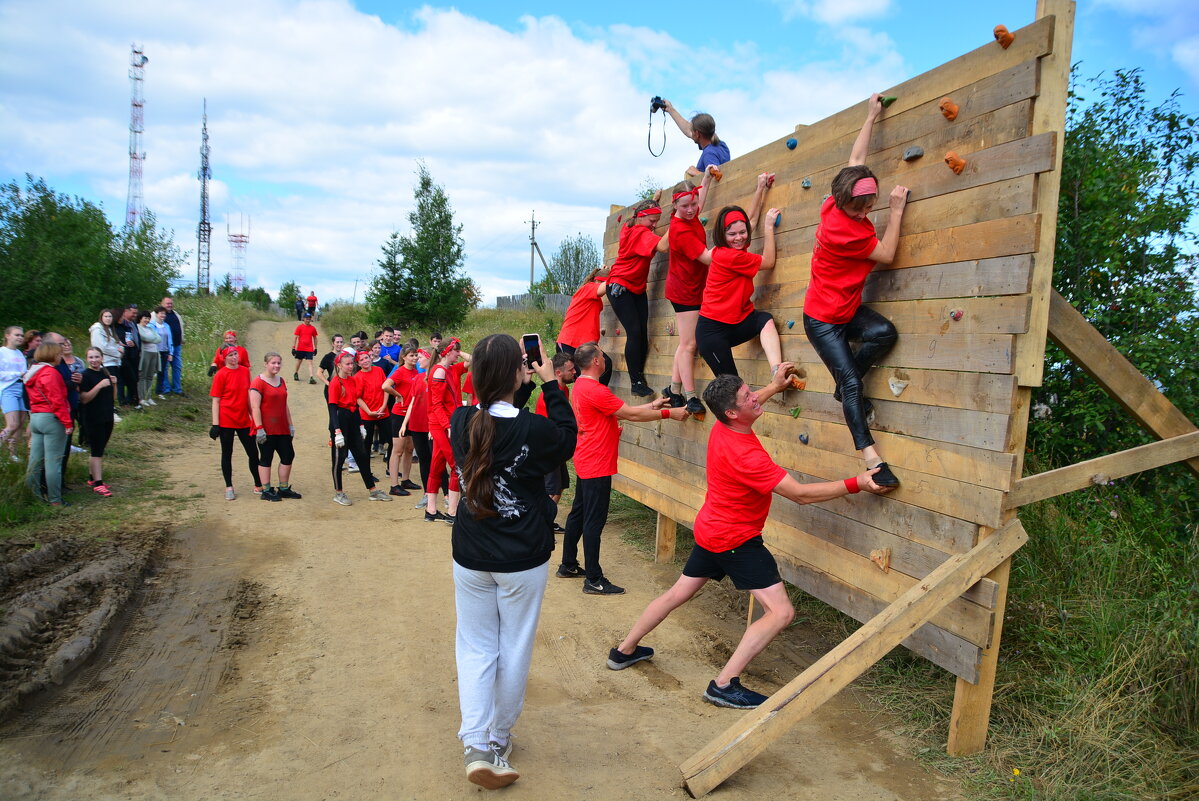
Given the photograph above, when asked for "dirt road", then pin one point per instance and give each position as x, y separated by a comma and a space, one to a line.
306, 650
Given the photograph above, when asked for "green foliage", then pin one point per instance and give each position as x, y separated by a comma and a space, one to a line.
576, 258
288, 293
225, 288
1126, 259
257, 297
61, 261
420, 281
647, 188
343, 317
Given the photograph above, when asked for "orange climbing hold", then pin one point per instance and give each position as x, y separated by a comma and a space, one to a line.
716, 173
1004, 36
949, 109
955, 162
795, 378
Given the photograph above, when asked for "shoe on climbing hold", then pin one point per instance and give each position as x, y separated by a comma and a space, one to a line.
912, 153
791, 143
955, 162
949, 109
886, 102
955, 314
806, 183
1004, 36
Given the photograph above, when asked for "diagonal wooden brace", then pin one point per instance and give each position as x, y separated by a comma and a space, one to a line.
805, 693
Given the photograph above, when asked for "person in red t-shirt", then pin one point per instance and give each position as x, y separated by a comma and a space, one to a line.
582, 320
559, 479
344, 421
443, 384
273, 428
218, 358
312, 302
727, 316
231, 416
372, 400
685, 286
626, 287
597, 411
846, 251
728, 533
303, 347
402, 385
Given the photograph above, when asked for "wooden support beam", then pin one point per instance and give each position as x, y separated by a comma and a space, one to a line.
1117, 465
802, 695
1091, 351
664, 538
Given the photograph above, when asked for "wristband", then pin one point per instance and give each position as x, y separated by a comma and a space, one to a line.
851, 484
665, 414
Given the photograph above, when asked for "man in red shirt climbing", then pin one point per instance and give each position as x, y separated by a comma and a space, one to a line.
728, 533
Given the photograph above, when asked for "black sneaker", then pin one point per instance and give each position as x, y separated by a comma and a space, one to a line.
884, 477
734, 696
269, 494
397, 489
288, 493
619, 661
411, 485
640, 389
677, 401
558, 529
696, 407
295, 376
601, 587
433, 518
450, 519
574, 571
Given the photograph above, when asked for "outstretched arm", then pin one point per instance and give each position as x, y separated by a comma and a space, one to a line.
765, 181
819, 491
860, 145
679, 120
704, 185
884, 251
778, 382
768, 241
649, 412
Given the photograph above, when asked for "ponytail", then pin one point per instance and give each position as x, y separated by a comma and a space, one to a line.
494, 363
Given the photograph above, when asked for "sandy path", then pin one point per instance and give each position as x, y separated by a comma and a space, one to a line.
338, 673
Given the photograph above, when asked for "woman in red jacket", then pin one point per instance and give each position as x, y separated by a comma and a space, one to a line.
442, 381
344, 392
626, 287
49, 422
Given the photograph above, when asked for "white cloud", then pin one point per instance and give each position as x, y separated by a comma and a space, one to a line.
1166, 26
834, 12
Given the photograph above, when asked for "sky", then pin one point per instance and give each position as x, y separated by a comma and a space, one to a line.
319, 111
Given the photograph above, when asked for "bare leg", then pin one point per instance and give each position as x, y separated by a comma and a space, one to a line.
659, 609
406, 458
95, 466
779, 614
684, 355
771, 344
393, 464
284, 475
455, 496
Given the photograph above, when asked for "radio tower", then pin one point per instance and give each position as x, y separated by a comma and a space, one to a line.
137, 76
238, 243
204, 229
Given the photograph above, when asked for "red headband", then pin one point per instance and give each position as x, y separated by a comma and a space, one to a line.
453, 343
693, 191
733, 217
864, 186
230, 333
652, 211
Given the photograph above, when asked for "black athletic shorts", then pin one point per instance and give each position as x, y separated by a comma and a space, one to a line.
750, 565
557, 480
304, 354
683, 307
397, 422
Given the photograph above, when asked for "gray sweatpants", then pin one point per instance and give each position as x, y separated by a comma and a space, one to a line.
497, 621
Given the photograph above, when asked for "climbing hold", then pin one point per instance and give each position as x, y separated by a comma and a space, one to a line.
806, 183
795, 378
897, 386
699, 416
778, 220
603, 332
703, 220
791, 143
794, 411
949, 109
912, 153
955, 162
619, 217
1004, 36
886, 102
670, 329
716, 173
955, 314
617, 332
769, 179
790, 324
882, 559
804, 438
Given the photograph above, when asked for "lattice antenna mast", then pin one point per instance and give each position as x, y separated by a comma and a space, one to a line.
204, 229
238, 242
134, 204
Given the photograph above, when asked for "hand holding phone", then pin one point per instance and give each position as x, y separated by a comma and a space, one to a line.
531, 344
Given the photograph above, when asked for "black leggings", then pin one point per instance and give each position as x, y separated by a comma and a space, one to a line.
280, 444
633, 312
831, 341
715, 340
569, 350
374, 430
348, 422
247, 443
422, 443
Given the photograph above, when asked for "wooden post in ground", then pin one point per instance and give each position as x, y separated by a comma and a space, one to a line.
664, 536
802, 695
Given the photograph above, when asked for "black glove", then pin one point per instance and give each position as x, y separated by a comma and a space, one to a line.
214, 432
294, 354
212, 368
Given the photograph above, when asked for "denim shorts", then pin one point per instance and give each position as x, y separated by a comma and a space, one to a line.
13, 398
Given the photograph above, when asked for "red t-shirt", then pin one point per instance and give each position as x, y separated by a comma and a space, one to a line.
307, 334
633, 256
730, 285
274, 405
370, 389
599, 432
540, 407
344, 392
445, 392
404, 381
233, 388
243, 357
582, 321
468, 388
312, 301
686, 277
741, 480
840, 264
418, 407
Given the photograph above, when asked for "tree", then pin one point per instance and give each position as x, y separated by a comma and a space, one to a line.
420, 282
576, 258
225, 287
1126, 259
257, 297
288, 294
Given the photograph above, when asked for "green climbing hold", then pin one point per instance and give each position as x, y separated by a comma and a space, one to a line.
703, 220
887, 101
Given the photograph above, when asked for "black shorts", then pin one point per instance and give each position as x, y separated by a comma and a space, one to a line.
750, 565
397, 422
683, 307
304, 354
735, 333
276, 443
557, 480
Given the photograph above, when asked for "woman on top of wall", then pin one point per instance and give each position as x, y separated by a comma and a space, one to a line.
846, 250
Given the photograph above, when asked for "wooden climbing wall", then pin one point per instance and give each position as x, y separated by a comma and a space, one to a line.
969, 294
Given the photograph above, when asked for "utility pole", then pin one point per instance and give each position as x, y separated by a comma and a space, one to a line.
534, 248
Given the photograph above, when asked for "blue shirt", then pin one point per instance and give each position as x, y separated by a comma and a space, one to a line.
392, 350
713, 154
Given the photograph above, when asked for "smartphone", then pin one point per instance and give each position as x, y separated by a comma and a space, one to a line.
532, 346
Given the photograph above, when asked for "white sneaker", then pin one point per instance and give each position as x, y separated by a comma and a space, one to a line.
378, 495
162, 397
149, 402
77, 449
342, 498
116, 418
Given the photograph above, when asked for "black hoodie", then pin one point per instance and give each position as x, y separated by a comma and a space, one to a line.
526, 447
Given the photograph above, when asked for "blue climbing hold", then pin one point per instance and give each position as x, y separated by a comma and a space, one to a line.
806, 183
791, 143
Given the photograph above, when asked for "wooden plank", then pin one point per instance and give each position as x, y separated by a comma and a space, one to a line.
831, 673
1006, 275
664, 536
1099, 470
1118, 377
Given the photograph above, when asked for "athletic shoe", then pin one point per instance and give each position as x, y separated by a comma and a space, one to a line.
696, 407
411, 485
421, 504
504, 750
574, 571
433, 518
601, 587
77, 449
258, 490
398, 491
734, 696
378, 495
295, 376
342, 498
60, 504
640, 389
149, 402
269, 494
116, 418
619, 661
450, 519
884, 477
311, 380
558, 529
161, 396
353, 468
288, 492
100, 488
230, 495
488, 769
677, 401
